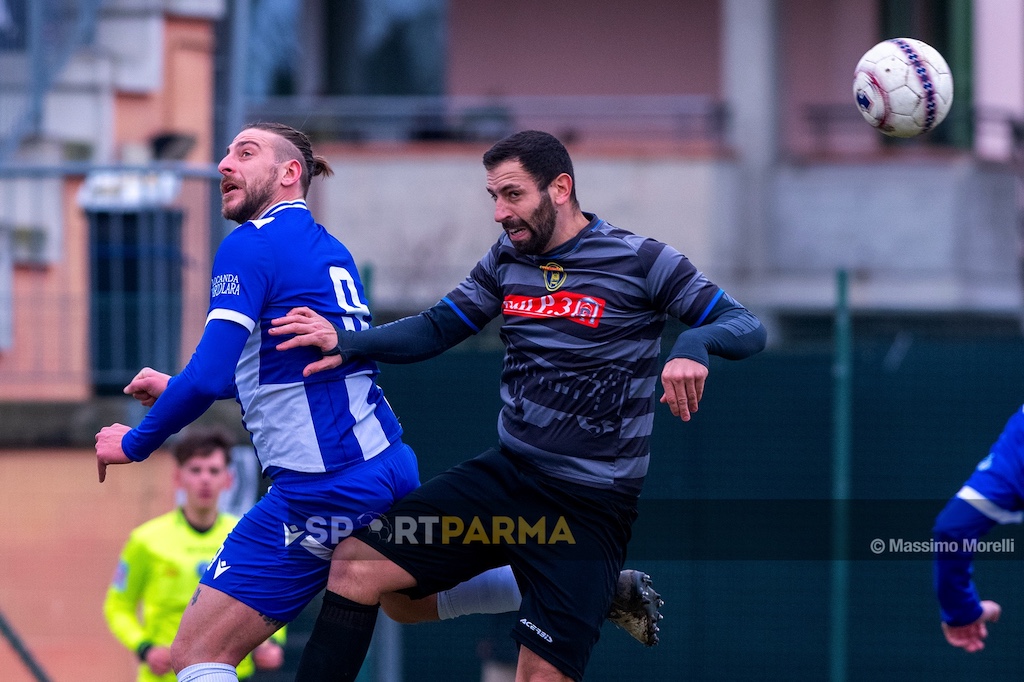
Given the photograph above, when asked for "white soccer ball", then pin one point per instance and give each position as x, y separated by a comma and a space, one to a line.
903, 87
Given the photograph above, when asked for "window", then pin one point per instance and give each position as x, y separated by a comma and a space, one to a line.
346, 47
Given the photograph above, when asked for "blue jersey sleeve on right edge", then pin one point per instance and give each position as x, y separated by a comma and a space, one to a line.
958, 598
991, 496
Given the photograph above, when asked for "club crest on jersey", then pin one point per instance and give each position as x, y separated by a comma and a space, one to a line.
554, 276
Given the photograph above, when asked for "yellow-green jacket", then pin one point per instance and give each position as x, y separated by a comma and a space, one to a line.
157, 574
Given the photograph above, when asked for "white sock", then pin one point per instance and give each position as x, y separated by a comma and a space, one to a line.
494, 591
208, 672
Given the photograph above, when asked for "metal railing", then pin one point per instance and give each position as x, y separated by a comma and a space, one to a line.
487, 118
832, 126
37, 39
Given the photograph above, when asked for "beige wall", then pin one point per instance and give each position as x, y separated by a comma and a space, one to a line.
424, 220
605, 47
60, 536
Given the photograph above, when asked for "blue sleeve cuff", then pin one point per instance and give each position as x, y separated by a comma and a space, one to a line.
129, 446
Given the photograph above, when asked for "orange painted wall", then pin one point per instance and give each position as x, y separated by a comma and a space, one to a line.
185, 102
60, 538
49, 357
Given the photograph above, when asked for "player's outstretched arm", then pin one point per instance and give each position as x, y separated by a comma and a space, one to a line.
971, 637
410, 339
310, 329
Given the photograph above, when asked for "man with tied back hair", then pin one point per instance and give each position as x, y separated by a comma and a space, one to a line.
330, 443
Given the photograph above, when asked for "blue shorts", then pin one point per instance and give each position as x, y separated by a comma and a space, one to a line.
278, 557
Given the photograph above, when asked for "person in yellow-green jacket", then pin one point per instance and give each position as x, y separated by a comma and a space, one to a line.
162, 561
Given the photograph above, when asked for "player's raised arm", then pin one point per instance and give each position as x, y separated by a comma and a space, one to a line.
990, 497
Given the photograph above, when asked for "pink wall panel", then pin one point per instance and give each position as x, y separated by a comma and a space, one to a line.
593, 47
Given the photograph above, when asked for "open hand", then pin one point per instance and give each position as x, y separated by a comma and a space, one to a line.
971, 637
683, 380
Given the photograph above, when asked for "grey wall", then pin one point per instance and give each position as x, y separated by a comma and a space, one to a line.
916, 235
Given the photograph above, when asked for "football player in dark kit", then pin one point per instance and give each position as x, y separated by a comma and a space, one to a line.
583, 305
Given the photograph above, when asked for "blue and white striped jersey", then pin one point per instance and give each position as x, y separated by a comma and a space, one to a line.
996, 488
582, 328
325, 422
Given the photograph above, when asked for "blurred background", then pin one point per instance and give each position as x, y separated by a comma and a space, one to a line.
888, 273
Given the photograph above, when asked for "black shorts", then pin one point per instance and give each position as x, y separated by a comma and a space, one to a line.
566, 544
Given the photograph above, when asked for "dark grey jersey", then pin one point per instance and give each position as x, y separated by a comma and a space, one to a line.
582, 328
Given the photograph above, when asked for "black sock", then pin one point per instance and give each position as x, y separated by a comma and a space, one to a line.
341, 637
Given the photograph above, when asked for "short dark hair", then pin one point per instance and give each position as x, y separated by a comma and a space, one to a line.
200, 442
540, 153
312, 165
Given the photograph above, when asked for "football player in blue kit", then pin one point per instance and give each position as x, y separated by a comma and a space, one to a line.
583, 304
330, 443
994, 494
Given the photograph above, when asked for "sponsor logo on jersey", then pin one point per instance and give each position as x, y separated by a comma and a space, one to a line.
579, 308
554, 276
540, 633
225, 285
